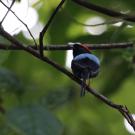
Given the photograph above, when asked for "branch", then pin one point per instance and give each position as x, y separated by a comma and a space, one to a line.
70, 47
122, 109
42, 33
73, 19
9, 9
105, 11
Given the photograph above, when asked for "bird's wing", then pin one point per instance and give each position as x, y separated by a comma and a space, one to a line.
86, 63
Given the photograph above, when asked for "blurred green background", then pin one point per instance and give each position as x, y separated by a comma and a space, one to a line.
39, 100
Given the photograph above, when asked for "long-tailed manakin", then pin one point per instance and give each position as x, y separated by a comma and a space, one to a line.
85, 65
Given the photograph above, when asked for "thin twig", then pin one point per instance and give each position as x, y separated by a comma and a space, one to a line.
98, 24
70, 47
105, 11
21, 22
72, 18
122, 109
7, 11
42, 33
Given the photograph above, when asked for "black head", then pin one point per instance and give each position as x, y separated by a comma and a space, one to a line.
79, 49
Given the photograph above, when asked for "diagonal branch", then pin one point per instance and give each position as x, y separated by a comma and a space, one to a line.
105, 11
63, 47
122, 109
42, 33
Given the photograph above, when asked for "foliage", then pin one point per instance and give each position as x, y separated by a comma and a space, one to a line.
39, 100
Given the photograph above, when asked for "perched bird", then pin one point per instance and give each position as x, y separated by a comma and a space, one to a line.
84, 65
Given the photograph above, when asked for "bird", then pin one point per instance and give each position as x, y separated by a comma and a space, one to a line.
84, 65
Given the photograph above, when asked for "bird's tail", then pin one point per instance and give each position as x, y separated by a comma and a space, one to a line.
83, 86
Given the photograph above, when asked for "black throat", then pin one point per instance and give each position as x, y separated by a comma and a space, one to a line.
77, 49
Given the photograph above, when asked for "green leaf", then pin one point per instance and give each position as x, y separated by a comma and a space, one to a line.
128, 54
5, 128
34, 120
3, 54
58, 97
8, 81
